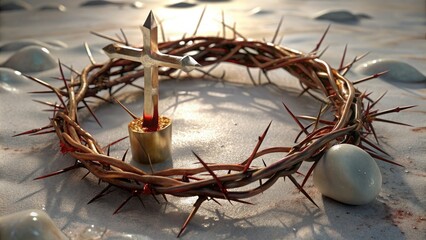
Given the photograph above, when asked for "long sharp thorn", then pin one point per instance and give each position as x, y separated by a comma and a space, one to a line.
44, 132
397, 109
318, 118
370, 77
125, 108
254, 152
373, 131
197, 205
140, 199
277, 30
377, 100
115, 142
106, 37
63, 76
308, 174
32, 131
89, 53
374, 146
108, 150
75, 166
343, 57
323, 51
242, 201
392, 122
322, 39
85, 175
47, 103
219, 183
296, 120
101, 194
199, 21
302, 190
55, 90
92, 113
122, 204
223, 24
383, 159
126, 41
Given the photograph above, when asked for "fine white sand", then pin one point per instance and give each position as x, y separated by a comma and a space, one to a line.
219, 121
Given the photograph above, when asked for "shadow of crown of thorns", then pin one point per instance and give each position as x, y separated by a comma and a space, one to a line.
353, 114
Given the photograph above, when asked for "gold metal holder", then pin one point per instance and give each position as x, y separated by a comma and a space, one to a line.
153, 146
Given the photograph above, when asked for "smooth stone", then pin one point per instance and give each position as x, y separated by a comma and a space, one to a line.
12, 77
181, 5
398, 71
137, 5
14, 6
348, 174
53, 7
31, 59
92, 3
259, 11
342, 16
10, 80
17, 45
29, 224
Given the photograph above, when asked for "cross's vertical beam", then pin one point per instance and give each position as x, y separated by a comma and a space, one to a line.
150, 43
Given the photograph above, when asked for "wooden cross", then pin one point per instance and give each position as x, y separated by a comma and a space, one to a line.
151, 58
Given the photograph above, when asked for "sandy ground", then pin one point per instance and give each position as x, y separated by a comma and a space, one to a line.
220, 121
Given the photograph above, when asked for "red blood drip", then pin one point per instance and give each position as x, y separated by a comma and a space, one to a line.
151, 123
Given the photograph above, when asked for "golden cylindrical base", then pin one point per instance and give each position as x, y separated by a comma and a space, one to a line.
151, 146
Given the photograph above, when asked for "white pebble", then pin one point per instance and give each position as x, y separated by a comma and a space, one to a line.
29, 224
348, 174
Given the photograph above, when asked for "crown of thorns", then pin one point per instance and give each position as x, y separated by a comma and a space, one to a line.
353, 114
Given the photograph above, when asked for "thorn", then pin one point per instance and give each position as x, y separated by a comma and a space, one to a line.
122, 204
219, 183
115, 142
374, 146
343, 57
75, 166
323, 51
32, 131
223, 24
259, 142
277, 30
370, 77
382, 158
308, 174
397, 109
125, 37
101, 194
92, 113
378, 99
373, 131
302, 190
124, 155
320, 41
41, 133
106, 37
125, 109
89, 53
296, 120
392, 122
199, 21
197, 205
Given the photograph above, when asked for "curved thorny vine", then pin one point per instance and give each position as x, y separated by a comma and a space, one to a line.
352, 110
